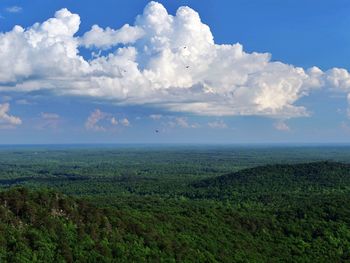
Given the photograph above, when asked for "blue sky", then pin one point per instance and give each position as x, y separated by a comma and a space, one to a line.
152, 83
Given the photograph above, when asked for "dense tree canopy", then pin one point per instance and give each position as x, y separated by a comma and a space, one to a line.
173, 206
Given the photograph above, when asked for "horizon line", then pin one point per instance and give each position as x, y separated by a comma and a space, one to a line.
104, 144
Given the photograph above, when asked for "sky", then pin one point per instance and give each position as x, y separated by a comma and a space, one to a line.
224, 71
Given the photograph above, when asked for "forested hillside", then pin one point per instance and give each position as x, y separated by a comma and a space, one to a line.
270, 213
280, 179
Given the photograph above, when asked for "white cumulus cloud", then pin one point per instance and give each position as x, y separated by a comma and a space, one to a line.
103, 121
162, 60
125, 122
7, 120
92, 122
114, 121
107, 38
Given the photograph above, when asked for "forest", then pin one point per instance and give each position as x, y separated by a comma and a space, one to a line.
174, 203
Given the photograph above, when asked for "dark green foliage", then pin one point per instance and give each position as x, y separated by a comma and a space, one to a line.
50, 227
281, 179
175, 205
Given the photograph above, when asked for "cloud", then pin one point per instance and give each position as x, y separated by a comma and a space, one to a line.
281, 126
220, 124
107, 38
114, 121
125, 122
49, 120
173, 122
156, 116
14, 9
7, 120
103, 121
182, 122
46, 55
162, 60
92, 122
339, 78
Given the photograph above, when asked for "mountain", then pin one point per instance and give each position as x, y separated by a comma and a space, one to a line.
301, 178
